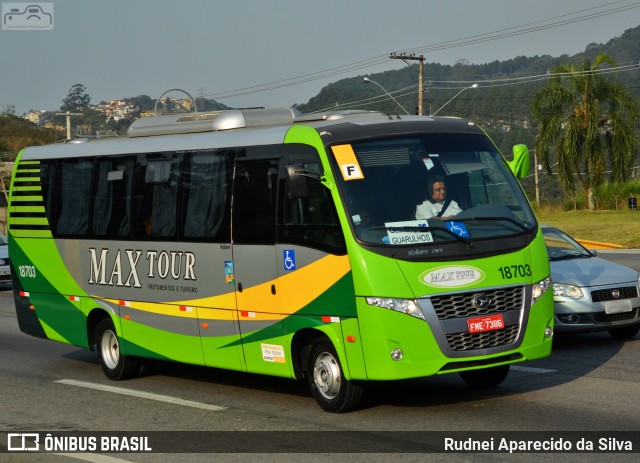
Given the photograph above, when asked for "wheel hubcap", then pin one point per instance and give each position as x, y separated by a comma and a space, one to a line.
110, 349
326, 374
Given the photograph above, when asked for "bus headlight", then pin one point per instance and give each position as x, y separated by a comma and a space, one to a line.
406, 306
538, 289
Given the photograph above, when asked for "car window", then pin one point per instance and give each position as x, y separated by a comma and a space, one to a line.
561, 246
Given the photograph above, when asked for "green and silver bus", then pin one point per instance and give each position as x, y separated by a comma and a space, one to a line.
275, 243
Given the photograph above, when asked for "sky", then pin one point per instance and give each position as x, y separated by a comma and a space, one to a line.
275, 52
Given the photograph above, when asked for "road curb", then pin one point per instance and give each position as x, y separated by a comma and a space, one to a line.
598, 245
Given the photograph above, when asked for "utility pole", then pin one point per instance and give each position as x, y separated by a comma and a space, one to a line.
68, 114
420, 58
535, 177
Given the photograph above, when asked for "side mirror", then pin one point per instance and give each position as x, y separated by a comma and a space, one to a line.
298, 181
521, 161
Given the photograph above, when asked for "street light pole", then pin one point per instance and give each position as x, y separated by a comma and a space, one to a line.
454, 97
367, 80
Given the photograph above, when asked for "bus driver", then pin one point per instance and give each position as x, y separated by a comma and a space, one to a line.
437, 204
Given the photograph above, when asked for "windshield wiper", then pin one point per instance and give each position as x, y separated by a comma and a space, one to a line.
530, 231
568, 257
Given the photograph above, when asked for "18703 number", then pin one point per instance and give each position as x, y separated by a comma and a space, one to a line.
27, 271
514, 271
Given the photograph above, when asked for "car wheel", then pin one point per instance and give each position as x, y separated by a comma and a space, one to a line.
487, 377
625, 332
327, 382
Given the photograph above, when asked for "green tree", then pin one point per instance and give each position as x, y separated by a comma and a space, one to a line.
77, 99
586, 123
17, 133
143, 102
8, 110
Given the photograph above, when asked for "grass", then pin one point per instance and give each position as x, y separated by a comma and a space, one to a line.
621, 227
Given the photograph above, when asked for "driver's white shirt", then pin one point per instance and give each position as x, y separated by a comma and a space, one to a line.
430, 208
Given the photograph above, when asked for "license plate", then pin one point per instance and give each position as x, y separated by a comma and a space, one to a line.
4, 271
488, 323
617, 306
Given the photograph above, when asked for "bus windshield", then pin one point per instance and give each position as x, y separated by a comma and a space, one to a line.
430, 189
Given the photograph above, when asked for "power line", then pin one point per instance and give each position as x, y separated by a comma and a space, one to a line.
517, 30
411, 89
480, 38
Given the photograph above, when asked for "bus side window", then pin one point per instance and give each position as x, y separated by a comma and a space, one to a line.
254, 202
74, 197
156, 195
112, 197
311, 220
206, 196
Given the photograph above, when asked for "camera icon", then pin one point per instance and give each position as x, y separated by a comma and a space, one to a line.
27, 16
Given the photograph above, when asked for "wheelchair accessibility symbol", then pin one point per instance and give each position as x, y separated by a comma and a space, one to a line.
458, 228
289, 257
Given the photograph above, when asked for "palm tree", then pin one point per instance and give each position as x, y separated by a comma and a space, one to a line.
587, 123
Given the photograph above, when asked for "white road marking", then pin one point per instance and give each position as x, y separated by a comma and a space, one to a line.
142, 394
93, 457
532, 369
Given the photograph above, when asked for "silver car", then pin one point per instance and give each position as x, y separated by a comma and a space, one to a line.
591, 294
5, 269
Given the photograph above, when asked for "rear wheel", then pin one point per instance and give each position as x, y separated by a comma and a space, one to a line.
327, 382
114, 365
624, 332
487, 377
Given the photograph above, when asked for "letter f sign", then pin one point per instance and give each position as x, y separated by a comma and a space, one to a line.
351, 171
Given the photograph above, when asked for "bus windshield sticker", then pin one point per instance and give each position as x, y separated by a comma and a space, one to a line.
408, 232
428, 163
346, 159
459, 228
229, 276
452, 276
289, 257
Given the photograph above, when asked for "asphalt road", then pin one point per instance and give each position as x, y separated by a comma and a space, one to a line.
630, 258
589, 386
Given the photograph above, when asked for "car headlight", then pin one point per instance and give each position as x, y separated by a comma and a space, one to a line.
406, 306
572, 291
538, 289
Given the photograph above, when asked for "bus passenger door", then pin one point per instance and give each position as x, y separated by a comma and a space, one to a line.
254, 260
206, 226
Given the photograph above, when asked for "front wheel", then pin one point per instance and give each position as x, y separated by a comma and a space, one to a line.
114, 365
624, 332
327, 382
487, 377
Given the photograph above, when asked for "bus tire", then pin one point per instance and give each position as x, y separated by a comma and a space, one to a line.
328, 385
114, 365
487, 377
624, 332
